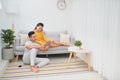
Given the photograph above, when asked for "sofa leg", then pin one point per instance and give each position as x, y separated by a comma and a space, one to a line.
46, 55
17, 57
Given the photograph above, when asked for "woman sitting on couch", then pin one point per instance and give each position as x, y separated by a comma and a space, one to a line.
43, 40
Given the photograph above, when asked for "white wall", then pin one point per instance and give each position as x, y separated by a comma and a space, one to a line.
96, 24
33, 11
30, 12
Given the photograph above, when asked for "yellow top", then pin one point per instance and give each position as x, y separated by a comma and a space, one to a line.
41, 38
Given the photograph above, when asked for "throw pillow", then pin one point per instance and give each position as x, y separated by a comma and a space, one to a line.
64, 38
23, 39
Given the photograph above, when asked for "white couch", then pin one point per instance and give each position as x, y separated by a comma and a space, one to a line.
19, 49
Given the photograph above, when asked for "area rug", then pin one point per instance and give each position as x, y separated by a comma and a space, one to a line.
16, 70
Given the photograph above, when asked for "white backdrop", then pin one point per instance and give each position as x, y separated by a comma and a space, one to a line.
30, 12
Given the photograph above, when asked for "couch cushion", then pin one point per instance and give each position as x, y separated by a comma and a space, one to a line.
55, 35
58, 48
64, 38
53, 52
20, 48
23, 39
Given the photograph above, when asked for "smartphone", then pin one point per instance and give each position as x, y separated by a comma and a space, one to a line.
47, 43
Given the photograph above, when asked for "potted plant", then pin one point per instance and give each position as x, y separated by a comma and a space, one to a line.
8, 38
78, 44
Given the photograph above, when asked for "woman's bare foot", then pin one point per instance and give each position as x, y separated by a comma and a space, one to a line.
66, 44
34, 69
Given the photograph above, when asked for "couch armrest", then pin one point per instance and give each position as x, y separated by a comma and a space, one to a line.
17, 42
72, 40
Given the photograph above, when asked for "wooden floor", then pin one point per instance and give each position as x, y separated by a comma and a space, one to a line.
13, 70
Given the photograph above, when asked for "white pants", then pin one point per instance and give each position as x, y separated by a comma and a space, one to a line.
30, 58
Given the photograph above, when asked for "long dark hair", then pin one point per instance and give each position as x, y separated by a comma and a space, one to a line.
39, 24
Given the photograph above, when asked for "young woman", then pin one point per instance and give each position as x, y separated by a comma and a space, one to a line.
43, 40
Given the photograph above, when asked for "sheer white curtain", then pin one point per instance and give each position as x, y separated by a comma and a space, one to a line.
97, 24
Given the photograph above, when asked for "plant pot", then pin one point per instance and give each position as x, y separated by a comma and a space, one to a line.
77, 47
8, 54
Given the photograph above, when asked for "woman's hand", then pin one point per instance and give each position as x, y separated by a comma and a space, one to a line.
36, 47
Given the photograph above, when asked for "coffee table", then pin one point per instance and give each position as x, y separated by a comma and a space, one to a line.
73, 51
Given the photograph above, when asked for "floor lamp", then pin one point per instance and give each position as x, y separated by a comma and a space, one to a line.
12, 11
